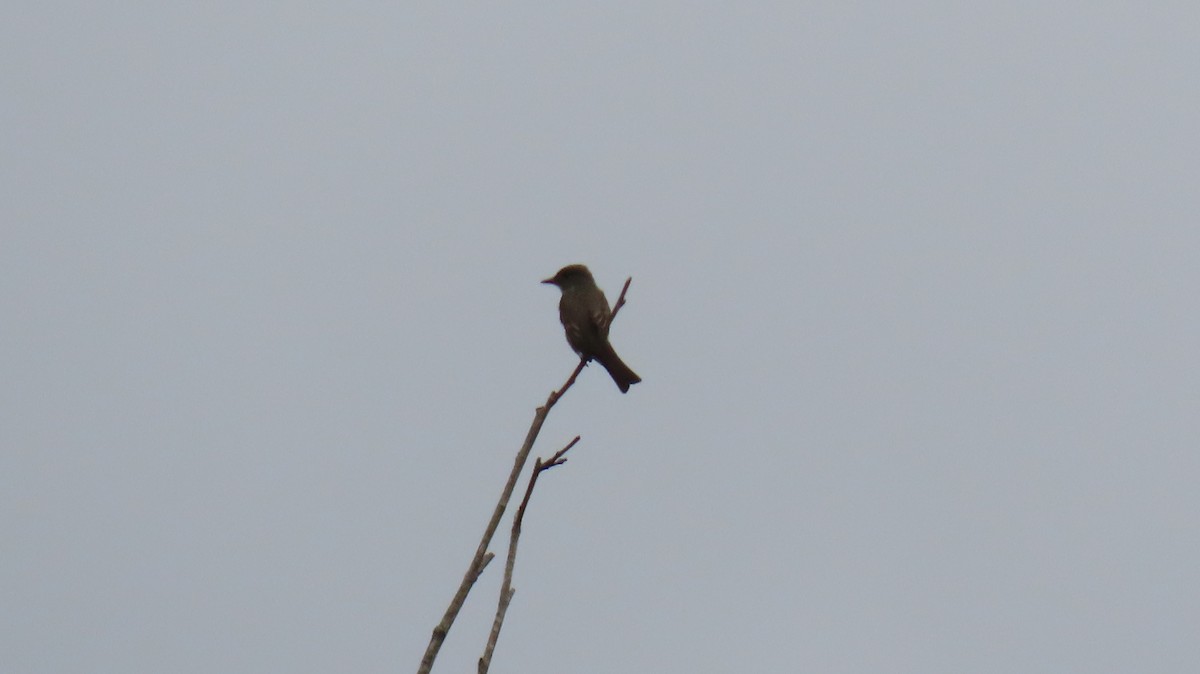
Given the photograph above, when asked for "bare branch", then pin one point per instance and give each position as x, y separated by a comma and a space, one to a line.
621, 298
481, 554
506, 590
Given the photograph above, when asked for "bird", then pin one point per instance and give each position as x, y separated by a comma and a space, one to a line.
585, 316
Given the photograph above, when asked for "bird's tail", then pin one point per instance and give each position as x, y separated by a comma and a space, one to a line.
617, 369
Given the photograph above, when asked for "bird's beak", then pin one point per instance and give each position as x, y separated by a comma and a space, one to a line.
549, 280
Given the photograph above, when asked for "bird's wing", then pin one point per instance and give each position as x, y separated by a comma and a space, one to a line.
601, 316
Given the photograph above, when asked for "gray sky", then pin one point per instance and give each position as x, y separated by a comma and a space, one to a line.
913, 300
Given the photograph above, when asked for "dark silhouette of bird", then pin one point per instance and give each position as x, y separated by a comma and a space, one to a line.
585, 316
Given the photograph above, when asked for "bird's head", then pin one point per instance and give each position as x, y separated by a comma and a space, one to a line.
571, 276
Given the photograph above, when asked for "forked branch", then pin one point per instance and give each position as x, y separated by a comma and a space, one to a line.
482, 556
506, 589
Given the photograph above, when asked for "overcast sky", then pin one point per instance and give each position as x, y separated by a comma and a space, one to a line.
914, 302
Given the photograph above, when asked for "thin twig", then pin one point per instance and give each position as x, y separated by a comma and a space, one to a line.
506, 590
621, 298
481, 554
